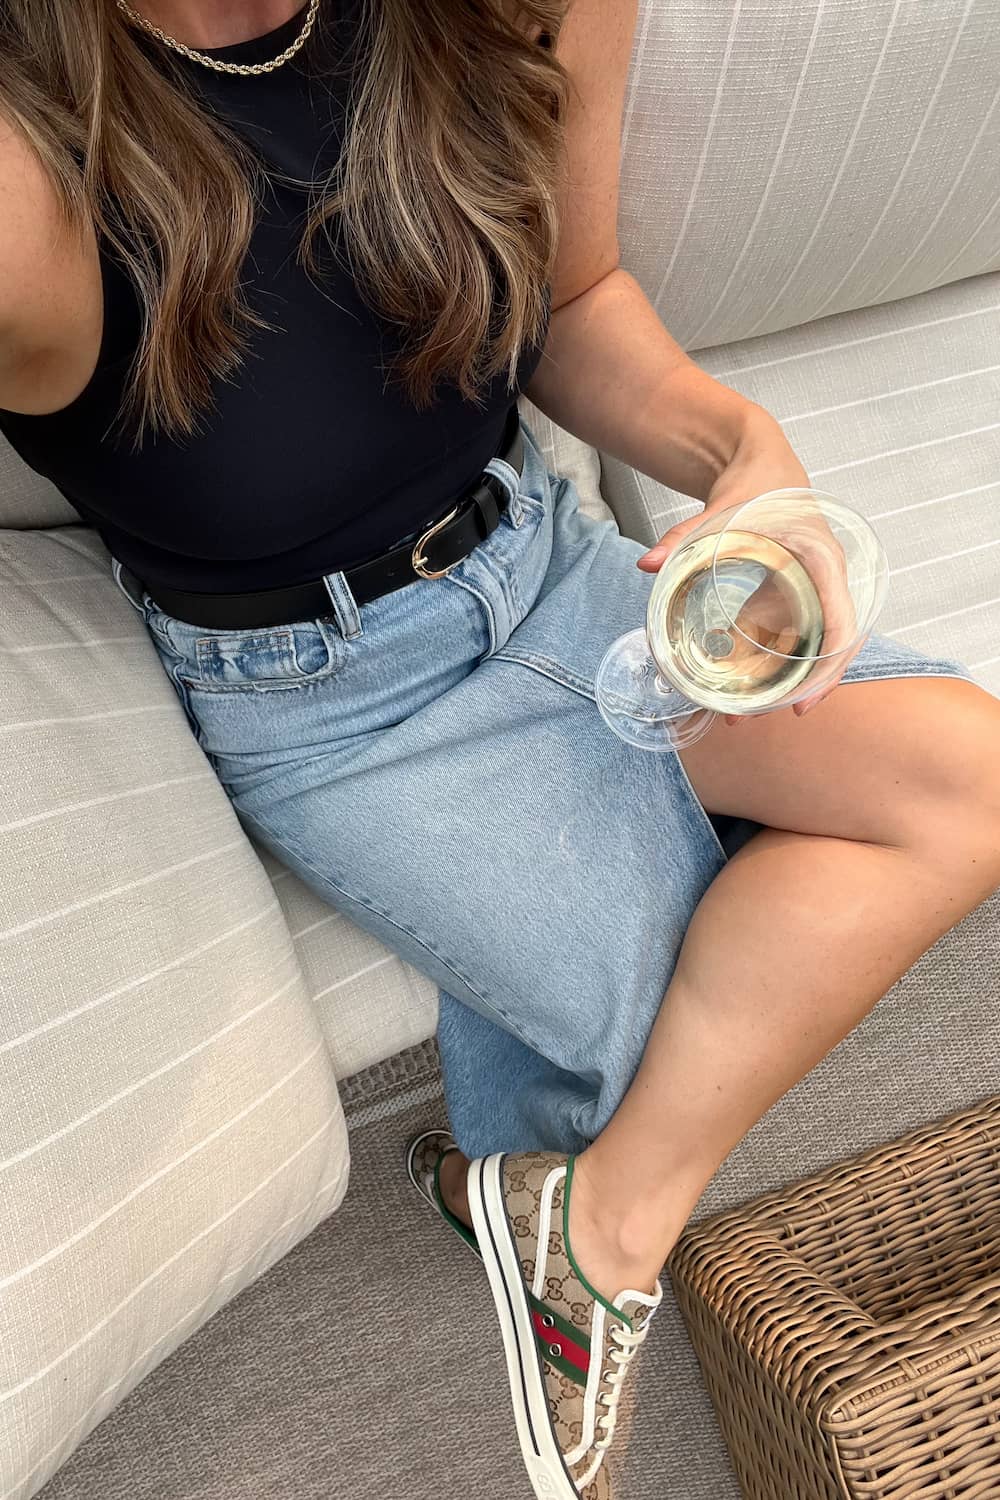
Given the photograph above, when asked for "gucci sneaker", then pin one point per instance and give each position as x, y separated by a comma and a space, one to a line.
424, 1155
568, 1349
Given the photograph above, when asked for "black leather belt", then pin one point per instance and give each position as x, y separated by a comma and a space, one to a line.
436, 551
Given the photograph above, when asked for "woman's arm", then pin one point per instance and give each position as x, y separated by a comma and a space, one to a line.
612, 374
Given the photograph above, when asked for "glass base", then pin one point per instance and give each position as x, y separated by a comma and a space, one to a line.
639, 706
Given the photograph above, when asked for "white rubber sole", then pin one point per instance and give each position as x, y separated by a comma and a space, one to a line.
543, 1460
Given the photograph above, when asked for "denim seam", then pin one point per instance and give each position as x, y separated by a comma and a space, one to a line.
530, 503
512, 578
379, 911
558, 673
182, 692
513, 514
504, 579
487, 607
276, 634
266, 685
207, 646
886, 674
547, 668
278, 646
545, 665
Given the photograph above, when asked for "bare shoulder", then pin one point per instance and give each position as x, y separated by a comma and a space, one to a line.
49, 279
30, 230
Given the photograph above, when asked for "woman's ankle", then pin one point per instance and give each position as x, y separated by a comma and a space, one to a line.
454, 1185
620, 1251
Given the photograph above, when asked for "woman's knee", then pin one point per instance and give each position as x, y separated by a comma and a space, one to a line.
886, 762
953, 802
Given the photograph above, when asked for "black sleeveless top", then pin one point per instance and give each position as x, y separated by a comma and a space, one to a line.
309, 461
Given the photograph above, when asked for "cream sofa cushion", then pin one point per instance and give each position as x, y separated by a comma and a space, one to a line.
788, 159
26, 499
170, 1124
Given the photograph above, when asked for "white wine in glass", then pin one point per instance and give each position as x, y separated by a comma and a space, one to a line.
759, 607
693, 638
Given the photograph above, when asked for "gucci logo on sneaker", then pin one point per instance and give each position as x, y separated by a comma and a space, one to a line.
544, 1484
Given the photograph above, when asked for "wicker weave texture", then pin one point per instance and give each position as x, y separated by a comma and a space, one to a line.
848, 1327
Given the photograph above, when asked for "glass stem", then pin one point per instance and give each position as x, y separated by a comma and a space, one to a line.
667, 690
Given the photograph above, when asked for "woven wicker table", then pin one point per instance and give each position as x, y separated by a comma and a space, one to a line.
848, 1327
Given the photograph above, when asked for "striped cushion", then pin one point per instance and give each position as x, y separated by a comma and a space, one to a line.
788, 159
170, 1123
26, 499
896, 410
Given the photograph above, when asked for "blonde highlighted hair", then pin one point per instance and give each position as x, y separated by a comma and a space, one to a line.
445, 190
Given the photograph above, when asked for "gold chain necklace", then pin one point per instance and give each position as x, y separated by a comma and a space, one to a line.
244, 69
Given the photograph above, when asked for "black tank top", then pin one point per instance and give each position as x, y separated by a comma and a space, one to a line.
310, 461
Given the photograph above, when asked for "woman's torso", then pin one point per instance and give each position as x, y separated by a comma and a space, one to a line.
310, 460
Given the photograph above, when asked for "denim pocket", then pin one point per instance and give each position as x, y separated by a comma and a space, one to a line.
271, 658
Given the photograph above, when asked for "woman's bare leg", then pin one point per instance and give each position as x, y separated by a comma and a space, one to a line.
882, 830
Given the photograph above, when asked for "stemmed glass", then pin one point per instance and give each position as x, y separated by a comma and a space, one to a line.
761, 606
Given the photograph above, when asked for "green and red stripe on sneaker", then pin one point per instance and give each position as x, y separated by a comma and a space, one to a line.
565, 1347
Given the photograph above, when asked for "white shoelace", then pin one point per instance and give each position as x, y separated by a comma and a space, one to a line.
626, 1342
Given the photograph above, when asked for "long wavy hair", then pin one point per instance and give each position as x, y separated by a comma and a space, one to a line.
445, 190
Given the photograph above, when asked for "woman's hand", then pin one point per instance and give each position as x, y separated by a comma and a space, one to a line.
764, 460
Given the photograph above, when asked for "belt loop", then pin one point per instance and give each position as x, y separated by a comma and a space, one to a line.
118, 570
345, 607
508, 477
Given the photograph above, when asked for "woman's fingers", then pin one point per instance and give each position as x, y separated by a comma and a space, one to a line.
807, 703
824, 560
653, 560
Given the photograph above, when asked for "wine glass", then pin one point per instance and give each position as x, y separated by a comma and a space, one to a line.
759, 607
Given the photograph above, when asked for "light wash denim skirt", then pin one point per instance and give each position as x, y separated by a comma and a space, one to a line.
433, 765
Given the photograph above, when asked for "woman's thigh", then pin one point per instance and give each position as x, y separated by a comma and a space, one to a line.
873, 761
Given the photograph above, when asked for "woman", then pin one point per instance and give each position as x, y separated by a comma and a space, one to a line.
271, 279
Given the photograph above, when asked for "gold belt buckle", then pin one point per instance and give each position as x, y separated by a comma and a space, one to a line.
419, 560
